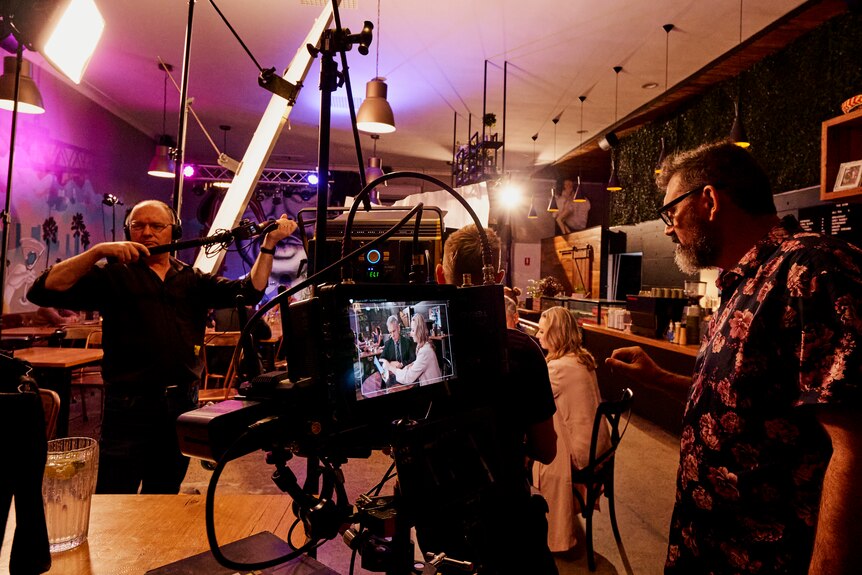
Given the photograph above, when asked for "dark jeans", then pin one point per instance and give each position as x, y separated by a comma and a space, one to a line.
139, 446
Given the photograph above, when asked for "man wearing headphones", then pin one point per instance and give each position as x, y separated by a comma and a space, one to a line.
154, 310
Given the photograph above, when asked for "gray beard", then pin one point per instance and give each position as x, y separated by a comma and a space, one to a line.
701, 253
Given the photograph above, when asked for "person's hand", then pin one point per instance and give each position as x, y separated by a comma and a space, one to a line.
122, 252
285, 228
634, 363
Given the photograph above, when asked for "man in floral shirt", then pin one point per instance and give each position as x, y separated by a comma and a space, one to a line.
767, 481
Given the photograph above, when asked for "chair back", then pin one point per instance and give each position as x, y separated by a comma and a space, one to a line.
51, 407
617, 413
94, 340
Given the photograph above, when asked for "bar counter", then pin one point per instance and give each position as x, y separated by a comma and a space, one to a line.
662, 407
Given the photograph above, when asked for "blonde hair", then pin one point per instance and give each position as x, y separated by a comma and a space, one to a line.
563, 336
420, 330
462, 254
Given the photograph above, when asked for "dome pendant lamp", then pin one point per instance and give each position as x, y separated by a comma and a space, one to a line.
375, 114
532, 214
29, 97
578, 197
163, 165
663, 153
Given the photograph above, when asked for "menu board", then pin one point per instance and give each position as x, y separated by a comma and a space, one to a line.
843, 220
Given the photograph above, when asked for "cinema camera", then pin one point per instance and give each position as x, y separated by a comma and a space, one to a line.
329, 405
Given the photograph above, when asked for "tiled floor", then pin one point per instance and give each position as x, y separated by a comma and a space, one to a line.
645, 476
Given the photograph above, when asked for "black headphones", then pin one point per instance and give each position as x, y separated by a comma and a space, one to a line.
176, 225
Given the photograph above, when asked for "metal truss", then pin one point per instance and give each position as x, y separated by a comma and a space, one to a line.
216, 173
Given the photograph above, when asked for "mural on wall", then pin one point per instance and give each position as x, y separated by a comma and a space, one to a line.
289, 260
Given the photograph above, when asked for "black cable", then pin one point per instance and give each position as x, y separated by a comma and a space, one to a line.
235, 35
210, 508
386, 477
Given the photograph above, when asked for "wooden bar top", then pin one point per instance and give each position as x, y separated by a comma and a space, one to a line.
691, 350
131, 534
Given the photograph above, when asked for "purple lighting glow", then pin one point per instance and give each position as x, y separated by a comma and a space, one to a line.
188, 170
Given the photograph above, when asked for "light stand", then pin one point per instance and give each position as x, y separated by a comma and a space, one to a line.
337, 41
112, 201
7, 208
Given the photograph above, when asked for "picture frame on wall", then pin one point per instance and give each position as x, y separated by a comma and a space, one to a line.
849, 176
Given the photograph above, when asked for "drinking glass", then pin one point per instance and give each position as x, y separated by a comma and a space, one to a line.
67, 488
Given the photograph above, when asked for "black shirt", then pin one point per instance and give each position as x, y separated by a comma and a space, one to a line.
152, 329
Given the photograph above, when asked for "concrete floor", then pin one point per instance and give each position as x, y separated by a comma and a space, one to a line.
645, 478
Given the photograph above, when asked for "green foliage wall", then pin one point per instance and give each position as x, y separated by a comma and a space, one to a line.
784, 99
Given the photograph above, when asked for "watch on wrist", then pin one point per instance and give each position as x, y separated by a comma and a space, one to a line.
270, 251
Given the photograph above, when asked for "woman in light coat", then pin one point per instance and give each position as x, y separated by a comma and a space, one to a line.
572, 370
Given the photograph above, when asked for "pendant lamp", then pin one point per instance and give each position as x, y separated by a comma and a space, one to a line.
532, 214
29, 97
375, 114
737, 130
578, 197
163, 165
614, 181
552, 205
374, 171
663, 153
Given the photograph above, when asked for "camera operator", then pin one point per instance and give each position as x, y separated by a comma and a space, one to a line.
522, 408
154, 310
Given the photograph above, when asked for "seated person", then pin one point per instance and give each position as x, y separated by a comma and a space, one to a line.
571, 215
51, 316
512, 317
425, 369
572, 370
399, 351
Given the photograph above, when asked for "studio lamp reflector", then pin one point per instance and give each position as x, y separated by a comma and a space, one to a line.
29, 97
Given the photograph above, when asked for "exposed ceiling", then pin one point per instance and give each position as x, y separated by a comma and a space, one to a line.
432, 55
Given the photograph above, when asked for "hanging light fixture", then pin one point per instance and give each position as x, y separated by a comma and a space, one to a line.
375, 114
579, 197
29, 98
614, 181
163, 165
663, 153
552, 205
737, 130
374, 171
532, 214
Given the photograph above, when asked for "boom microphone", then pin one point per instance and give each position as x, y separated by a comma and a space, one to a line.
243, 231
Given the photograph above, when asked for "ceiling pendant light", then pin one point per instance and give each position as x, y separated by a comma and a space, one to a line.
663, 153
737, 130
163, 165
374, 171
375, 114
552, 205
614, 181
29, 98
532, 214
579, 195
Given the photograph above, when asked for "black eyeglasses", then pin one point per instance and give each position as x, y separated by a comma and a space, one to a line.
663, 211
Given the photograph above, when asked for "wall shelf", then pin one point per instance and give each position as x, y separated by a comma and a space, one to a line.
840, 141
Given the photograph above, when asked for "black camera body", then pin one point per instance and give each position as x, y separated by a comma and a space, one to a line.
336, 398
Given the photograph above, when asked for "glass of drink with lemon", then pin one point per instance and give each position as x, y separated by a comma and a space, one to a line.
67, 488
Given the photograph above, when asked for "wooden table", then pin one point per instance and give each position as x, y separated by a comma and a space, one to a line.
29, 334
131, 534
53, 369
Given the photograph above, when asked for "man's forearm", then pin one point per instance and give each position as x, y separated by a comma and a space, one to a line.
836, 545
67, 273
260, 271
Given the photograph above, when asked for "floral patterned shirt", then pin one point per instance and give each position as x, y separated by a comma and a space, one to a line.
752, 454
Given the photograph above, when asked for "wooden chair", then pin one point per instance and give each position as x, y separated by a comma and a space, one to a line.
51, 407
598, 475
90, 377
217, 350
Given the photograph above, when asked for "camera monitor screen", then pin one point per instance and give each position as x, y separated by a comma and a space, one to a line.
399, 345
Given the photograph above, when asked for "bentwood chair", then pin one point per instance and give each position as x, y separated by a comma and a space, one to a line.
90, 378
51, 407
598, 476
218, 368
